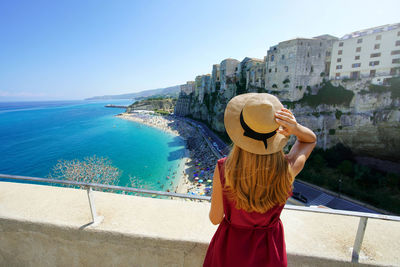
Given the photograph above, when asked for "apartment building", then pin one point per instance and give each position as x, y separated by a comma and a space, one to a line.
367, 53
228, 68
184, 99
204, 86
215, 78
187, 88
293, 65
251, 70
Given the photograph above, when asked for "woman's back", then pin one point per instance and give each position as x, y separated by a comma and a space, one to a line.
247, 238
243, 218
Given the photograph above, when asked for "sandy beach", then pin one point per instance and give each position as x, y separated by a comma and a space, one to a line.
197, 167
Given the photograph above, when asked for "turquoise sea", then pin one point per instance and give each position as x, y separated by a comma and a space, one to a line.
35, 135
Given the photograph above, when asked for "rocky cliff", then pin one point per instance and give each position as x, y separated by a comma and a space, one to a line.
356, 113
164, 104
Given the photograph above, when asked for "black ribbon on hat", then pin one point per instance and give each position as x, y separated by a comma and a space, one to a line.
253, 134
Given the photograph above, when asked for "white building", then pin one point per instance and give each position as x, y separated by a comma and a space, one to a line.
367, 53
188, 88
228, 68
251, 71
294, 65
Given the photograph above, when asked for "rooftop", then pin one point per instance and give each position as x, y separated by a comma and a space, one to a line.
369, 31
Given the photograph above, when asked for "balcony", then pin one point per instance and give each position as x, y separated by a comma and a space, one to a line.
51, 226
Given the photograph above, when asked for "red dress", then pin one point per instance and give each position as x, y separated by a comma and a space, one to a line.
247, 238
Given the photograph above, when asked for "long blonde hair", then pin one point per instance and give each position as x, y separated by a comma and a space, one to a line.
257, 182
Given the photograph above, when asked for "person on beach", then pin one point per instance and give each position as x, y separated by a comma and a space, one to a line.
252, 184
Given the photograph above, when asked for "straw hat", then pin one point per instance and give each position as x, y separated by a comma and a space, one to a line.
250, 123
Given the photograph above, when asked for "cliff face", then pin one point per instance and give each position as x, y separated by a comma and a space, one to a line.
362, 116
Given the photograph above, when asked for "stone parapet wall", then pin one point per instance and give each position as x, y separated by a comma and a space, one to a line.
48, 226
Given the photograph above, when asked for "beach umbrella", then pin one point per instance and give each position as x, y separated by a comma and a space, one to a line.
209, 180
201, 180
195, 174
197, 178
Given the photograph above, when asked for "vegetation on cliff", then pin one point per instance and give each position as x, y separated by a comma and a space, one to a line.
336, 169
327, 94
162, 105
393, 87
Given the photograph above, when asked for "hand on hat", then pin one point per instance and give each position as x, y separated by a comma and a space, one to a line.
287, 122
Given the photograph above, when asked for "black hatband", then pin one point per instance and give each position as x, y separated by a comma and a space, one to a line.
253, 134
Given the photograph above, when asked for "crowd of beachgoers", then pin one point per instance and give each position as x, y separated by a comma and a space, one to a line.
199, 160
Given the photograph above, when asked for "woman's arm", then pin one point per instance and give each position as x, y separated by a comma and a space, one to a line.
305, 143
217, 208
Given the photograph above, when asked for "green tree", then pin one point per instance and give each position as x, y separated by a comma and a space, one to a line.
346, 168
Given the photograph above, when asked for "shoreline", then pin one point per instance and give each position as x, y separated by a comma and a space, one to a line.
197, 165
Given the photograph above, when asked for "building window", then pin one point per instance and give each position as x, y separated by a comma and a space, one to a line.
397, 43
376, 55
395, 52
319, 54
320, 43
356, 65
269, 70
339, 60
378, 37
355, 75
337, 75
358, 49
374, 63
394, 70
272, 58
283, 56
286, 68
276, 69
328, 53
356, 57
301, 43
312, 69
396, 60
398, 33
377, 46
372, 73
359, 41
340, 52
338, 67
340, 44
308, 54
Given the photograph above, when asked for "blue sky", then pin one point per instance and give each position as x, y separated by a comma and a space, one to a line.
55, 50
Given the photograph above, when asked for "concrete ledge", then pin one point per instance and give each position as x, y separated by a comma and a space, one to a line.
45, 226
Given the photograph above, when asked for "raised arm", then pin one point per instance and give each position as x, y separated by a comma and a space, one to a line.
305, 143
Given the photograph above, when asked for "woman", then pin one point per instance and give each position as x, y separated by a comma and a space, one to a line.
252, 185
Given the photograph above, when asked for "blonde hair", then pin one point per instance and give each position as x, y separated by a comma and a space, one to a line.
257, 182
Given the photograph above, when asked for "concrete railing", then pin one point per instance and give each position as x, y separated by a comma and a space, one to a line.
43, 225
